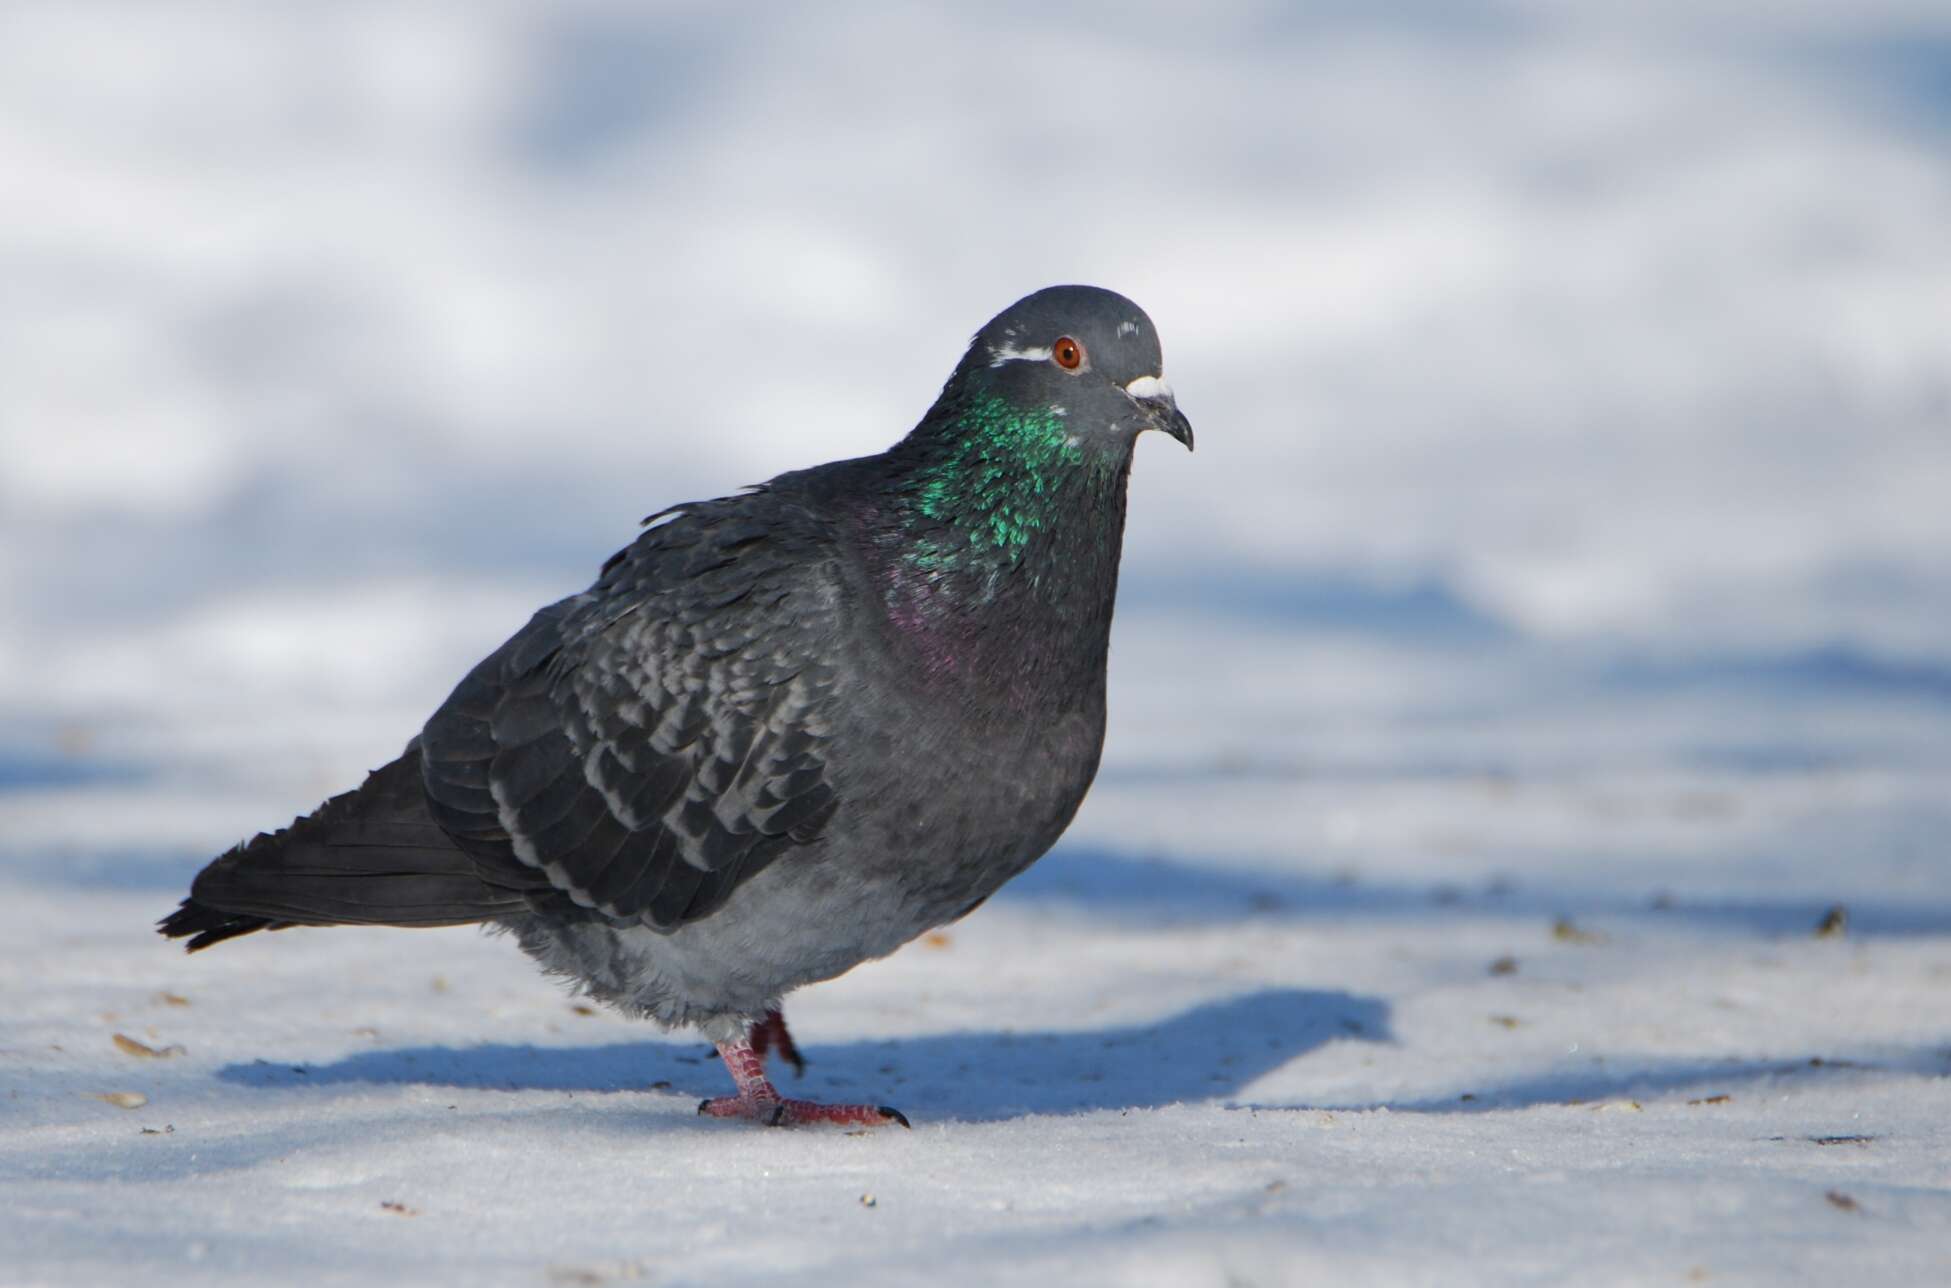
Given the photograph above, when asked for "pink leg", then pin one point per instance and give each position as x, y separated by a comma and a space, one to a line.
759, 1101
772, 1032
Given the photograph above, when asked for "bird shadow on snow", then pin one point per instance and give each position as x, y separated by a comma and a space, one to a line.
1703, 1081
1210, 1052
1166, 892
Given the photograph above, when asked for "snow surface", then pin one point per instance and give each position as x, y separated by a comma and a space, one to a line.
1441, 1018
1551, 630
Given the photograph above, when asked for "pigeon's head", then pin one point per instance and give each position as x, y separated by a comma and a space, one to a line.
1087, 355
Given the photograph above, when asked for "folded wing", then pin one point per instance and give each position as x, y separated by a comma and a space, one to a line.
654, 742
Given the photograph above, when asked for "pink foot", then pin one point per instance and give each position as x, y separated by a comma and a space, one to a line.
760, 1102
780, 1112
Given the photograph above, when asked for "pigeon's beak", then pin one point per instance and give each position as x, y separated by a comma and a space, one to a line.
1154, 396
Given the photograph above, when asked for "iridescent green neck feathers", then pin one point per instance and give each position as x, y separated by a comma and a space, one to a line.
996, 483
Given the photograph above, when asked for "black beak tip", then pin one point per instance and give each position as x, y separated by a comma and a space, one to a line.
1168, 419
1175, 423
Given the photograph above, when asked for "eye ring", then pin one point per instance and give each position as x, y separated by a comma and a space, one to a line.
1067, 353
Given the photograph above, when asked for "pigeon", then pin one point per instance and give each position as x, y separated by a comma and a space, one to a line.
786, 731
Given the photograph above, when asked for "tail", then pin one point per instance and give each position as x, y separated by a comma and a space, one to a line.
371, 857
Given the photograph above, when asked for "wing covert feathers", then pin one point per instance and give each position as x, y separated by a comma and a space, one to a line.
650, 744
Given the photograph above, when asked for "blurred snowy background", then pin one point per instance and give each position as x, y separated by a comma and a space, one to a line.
333, 338
1571, 515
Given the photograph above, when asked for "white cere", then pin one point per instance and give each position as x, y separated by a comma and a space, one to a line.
1149, 387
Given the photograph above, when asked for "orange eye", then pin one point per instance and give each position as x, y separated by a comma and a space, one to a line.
1067, 353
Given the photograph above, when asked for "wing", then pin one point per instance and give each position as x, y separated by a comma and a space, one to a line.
655, 741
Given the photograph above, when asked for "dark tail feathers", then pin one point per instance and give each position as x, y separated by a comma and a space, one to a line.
371, 857
209, 926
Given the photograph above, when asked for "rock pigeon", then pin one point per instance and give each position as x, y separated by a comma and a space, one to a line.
785, 731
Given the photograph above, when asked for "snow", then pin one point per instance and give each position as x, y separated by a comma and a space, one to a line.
1394, 1022
1548, 634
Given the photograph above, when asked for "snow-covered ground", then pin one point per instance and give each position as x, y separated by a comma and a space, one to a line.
1550, 632
1528, 994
